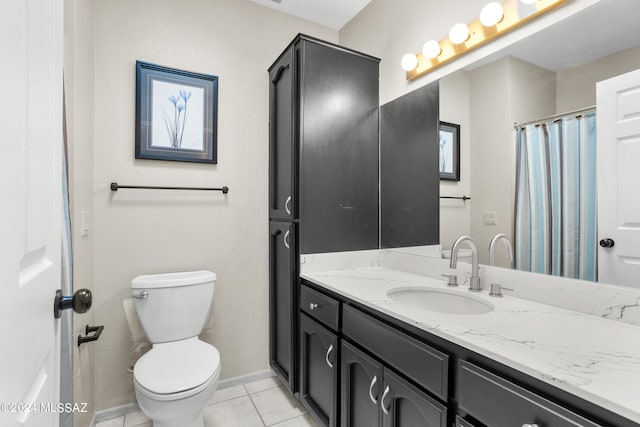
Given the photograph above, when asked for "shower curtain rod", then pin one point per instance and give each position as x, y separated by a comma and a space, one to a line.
555, 116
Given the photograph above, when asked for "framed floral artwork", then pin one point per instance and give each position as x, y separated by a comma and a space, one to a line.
176, 114
449, 161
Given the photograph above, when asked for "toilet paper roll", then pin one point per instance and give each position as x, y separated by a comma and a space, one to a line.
139, 343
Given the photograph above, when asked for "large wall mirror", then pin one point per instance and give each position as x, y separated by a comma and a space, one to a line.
553, 75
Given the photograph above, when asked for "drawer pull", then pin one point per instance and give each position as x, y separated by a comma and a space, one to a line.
327, 356
373, 382
385, 410
313, 306
530, 425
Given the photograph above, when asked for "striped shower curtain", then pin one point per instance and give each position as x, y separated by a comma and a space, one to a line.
555, 203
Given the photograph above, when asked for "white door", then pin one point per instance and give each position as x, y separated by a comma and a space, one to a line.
30, 214
618, 123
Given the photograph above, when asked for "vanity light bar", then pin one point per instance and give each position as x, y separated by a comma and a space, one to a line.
479, 35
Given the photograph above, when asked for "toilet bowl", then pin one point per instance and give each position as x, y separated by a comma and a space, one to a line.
175, 380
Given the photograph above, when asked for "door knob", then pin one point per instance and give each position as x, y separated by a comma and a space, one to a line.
80, 302
607, 243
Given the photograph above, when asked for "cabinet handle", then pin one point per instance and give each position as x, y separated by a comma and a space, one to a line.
313, 306
284, 239
530, 425
326, 357
385, 410
373, 382
287, 205
279, 73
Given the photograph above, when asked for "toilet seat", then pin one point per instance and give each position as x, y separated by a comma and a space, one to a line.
178, 369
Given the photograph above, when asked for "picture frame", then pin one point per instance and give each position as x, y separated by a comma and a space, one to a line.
449, 154
176, 114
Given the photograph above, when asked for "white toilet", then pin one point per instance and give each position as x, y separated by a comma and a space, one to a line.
179, 375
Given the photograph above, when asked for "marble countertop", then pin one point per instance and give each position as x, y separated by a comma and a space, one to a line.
594, 358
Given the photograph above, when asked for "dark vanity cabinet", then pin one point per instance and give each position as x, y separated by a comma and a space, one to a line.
376, 374
319, 355
371, 391
323, 173
362, 368
348, 377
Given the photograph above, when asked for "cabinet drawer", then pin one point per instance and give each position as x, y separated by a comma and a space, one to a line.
497, 402
320, 307
425, 365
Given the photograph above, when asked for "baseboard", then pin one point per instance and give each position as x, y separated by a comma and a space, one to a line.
246, 379
111, 413
119, 411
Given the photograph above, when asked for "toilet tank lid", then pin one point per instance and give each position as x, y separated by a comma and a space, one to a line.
169, 280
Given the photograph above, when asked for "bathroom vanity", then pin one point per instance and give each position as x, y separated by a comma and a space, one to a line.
354, 337
367, 359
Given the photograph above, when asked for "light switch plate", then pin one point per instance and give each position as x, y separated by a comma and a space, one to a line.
490, 218
84, 223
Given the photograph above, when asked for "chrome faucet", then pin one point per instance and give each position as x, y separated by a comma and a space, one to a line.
492, 248
474, 282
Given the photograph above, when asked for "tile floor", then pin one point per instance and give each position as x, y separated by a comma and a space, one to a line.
258, 404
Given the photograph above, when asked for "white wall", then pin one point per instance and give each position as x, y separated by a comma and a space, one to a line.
577, 85
455, 107
504, 92
142, 232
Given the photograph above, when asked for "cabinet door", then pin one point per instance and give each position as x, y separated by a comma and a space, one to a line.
403, 405
318, 370
282, 146
283, 302
361, 388
339, 150
409, 169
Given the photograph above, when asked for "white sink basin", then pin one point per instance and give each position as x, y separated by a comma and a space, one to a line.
440, 301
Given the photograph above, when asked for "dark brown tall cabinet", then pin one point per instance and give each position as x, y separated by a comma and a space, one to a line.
323, 173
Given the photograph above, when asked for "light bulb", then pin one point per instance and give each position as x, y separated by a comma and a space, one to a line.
528, 1
409, 62
459, 33
431, 49
491, 14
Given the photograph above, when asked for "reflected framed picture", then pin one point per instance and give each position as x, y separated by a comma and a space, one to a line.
176, 114
449, 142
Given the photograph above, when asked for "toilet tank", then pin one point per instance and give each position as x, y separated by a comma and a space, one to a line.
176, 306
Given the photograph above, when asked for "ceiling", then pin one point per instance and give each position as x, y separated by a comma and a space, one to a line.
329, 13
